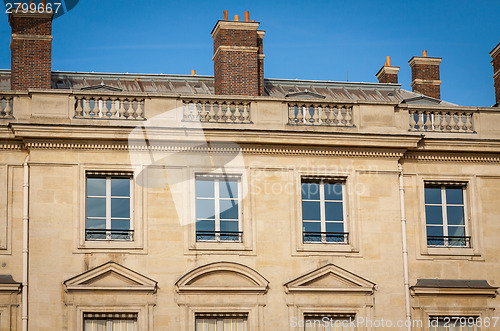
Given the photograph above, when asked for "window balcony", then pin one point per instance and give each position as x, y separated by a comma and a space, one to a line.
109, 234
219, 236
448, 241
326, 237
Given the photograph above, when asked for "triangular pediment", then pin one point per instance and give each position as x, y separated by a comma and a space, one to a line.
330, 278
222, 277
110, 276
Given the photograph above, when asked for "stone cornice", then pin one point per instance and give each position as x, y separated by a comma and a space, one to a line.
495, 51
16, 36
418, 60
425, 81
227, 48
234, 25
388, 70
452, 158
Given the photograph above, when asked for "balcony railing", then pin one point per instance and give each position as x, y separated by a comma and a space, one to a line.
448, 241
441, 121
216, 111
320, 114
232, 236
6, 106
109, 107
109, 234
326, 237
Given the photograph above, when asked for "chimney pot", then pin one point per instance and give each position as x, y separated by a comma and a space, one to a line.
236, 18
193, 72
225, 15
388, 61
247, 16
424, 53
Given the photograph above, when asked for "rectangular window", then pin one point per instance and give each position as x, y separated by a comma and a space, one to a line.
329, 322
323, 211
446, 215
224, 322
455, 323
110, 321
109, 207
218, 212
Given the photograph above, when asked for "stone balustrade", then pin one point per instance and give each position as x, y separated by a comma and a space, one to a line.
109, 107
441, 120
324, 114
6, 106
216, 111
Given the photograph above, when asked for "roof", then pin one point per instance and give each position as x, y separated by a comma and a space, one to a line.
204, 85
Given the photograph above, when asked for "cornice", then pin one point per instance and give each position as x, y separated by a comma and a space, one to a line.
11, 146
452, 158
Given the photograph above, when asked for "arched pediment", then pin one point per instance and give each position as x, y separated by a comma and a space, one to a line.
222, 277
110, 276
330, 278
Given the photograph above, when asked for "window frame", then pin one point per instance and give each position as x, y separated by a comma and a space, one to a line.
216, 179
444, 213
108, 219
322, 202
109, 319
219, 319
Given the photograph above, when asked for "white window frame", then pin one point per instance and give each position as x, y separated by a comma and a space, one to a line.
108, 178
322, 201
444, 211
216, 180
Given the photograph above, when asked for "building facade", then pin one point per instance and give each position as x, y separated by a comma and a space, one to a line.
234, 202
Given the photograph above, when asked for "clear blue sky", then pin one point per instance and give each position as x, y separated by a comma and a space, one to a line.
321, 40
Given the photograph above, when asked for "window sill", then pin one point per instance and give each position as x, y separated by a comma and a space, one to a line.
450, 251
110, 245
326, 248
222, 247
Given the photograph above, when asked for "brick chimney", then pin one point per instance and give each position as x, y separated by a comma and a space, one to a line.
425, 75
388, 73
31, 50
238, 57
495, 55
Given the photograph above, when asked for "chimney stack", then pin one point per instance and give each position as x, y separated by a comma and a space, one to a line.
425, 75
238, 57
495, 55
388, 73
31, 50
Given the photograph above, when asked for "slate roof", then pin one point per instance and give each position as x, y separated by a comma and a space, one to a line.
204, 85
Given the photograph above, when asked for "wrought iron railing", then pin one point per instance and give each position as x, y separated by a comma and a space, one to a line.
233, 236
448, 241
109, 234
326, 237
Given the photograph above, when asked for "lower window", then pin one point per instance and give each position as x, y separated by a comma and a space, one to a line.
221, 322
328, 322
454, 323
110, 322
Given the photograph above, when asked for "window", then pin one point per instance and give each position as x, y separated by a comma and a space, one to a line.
323, 211
329, 322
455, 323
445, 214
110, 322
218, 214
108, 207
221, 322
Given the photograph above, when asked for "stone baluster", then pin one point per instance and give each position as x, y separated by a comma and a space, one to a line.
121, 110
112, 108
341, 115
315, 117
420, 122
86, 108
323, 116
8, 107
348, 115
308, 115
300, 114
130, 110
211, 112
411, 114
468, 122
246, 113
427, 121
78, 108
460, 123
291, 114
139, 113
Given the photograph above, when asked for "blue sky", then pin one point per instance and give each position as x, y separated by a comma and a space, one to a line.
323, 40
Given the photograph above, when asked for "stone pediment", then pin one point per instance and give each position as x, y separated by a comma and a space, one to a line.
110, 276
222, 277
330, 278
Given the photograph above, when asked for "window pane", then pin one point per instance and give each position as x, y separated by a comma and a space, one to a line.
455, 215
433, 195
333, 191
435, 231
93, 224
204, 188
310, 191
334, 211
229, 226
311, 210
205, 226
120, 187
228, 189
433, 215
96, 207
454, 196
120, 224
120, 207
228, 209
205, 209
334, 227
205, 324
456, 231
311, 226
96, 187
